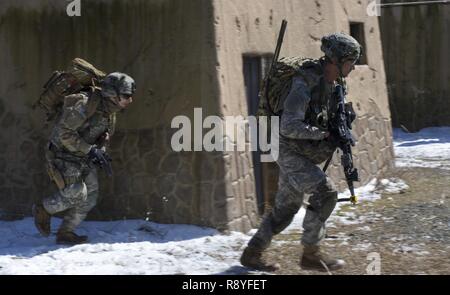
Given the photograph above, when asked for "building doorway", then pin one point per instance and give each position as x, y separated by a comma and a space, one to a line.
255, 68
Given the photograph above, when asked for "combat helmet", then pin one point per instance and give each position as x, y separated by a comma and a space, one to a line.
341, 46
118, 84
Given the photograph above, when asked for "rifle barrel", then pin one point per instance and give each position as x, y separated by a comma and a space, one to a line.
280, 39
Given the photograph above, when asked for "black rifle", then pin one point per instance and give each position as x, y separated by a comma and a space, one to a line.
102, 160
339, 127
274, 60
105, 161
106, 165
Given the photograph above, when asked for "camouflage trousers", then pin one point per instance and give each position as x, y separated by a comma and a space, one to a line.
78, 196
298, 176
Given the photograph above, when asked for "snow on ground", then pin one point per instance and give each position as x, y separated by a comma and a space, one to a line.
429, 147
121, 247
369, 192
142, 247
132, 247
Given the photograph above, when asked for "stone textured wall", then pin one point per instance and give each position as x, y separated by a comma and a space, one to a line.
153, 181
22, 174
373, 153
240, 191
173, 65
416, 43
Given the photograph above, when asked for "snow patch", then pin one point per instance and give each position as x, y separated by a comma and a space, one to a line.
370, 192
430, 147
121, 247
392, 186
362, 247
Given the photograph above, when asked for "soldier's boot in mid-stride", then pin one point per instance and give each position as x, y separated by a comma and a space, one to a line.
42, 219
252, 258
316, 259
69, 238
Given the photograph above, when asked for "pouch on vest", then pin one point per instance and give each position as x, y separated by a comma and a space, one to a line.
79, 75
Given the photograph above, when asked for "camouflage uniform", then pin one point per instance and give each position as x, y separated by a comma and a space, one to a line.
304, 143
302, 147
70, 142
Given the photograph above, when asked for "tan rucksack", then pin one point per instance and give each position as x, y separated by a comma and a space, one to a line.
280, 80
79, 75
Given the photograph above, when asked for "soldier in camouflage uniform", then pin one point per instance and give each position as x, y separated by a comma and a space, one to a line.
77, 143
304, 145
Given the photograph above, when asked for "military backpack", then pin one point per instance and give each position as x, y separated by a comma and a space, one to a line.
80, 75
271, 99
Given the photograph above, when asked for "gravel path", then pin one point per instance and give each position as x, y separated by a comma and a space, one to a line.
410, 231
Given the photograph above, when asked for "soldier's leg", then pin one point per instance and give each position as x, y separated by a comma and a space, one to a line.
288, 199
305, 176
66, 198
74, 192
76, 214
287, 204
322, 203
71, 190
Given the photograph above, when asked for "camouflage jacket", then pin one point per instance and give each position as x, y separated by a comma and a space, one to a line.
308, 105
76, 130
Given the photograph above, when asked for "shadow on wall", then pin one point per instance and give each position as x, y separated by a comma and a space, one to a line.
140, 38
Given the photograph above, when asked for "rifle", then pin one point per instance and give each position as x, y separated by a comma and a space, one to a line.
106, 165
101, 159
105, 161
340, 127
274, 60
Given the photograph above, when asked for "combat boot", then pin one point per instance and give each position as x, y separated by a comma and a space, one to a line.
42, 219
252, 258
315, 259
70, 238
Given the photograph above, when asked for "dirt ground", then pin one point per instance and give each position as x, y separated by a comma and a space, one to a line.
409, 231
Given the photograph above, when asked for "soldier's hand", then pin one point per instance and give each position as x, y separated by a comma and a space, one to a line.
98, 156
103, 139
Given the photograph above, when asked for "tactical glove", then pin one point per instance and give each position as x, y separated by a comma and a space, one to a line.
100, 158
